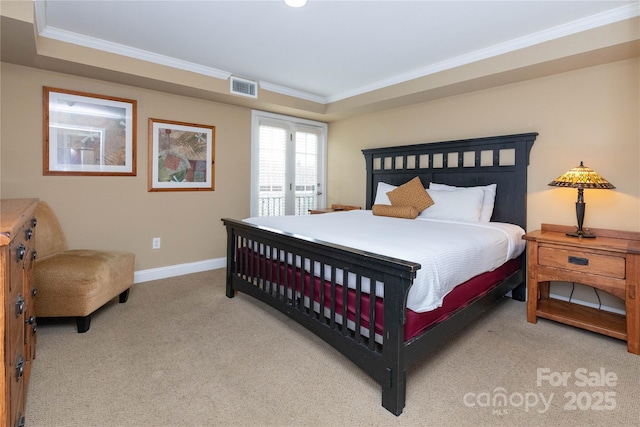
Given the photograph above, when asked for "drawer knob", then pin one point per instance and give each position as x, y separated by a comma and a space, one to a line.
19, 305
20, 252
32, 321
19, 368
578, 260
28, 233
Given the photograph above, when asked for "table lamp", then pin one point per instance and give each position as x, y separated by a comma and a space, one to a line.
581, 177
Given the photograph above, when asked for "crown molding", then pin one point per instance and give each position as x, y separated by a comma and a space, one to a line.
283, 90
118, 49
574, 27
580, 25
54, 33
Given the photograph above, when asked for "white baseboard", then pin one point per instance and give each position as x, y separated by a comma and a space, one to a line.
588, 303
587, 296
178, 270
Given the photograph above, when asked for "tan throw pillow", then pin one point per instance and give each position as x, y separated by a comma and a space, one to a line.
409, 212
411, 193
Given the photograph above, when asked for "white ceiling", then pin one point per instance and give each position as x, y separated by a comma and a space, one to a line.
327, 50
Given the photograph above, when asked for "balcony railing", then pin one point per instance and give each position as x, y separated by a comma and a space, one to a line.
274, 205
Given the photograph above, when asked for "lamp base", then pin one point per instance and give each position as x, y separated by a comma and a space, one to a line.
580, 206
581, 234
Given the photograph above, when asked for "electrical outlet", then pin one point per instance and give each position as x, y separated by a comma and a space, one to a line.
155, 243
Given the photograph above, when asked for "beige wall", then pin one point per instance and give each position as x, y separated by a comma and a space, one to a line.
591, 115
119, 212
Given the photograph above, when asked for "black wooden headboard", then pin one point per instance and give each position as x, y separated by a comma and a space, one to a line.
500, 160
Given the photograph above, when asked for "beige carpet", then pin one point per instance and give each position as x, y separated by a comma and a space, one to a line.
179, 353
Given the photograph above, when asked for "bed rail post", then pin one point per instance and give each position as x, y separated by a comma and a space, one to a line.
231, 256
519, 293
394, 391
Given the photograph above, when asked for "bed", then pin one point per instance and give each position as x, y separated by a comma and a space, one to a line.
303, 277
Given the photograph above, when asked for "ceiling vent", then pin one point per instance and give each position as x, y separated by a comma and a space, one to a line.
244, 87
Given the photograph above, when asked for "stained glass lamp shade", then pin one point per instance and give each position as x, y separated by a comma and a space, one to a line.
581, 177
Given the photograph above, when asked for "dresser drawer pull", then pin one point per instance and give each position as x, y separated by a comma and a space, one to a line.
578, 261
19, 305
19, 368
32, 321
20, 252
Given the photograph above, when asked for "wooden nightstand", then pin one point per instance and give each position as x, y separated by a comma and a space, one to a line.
333, 208
610, 262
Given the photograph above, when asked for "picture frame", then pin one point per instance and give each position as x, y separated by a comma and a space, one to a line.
88, 134
181, 156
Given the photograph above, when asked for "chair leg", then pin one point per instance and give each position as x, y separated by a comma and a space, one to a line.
124, 296
83, 323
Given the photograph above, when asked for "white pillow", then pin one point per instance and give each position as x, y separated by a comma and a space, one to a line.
464, 204
381, 193
487, 202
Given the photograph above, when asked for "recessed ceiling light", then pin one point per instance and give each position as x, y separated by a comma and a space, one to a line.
295, 3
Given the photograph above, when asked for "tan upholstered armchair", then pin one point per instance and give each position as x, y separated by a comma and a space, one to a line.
75, 283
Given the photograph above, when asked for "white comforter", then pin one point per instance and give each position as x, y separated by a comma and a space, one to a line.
449, 252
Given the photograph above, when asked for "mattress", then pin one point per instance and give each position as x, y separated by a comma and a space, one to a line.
449, 252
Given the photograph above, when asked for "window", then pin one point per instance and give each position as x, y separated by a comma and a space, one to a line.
288, 158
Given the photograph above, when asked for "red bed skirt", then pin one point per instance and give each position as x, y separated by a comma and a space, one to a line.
416, 323
461, 296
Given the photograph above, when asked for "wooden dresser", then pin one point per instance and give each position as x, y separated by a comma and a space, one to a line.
18, 322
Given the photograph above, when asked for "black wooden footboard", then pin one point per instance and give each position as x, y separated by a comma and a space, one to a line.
383, 358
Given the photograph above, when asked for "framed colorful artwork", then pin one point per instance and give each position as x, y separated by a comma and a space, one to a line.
181, 156
88, 134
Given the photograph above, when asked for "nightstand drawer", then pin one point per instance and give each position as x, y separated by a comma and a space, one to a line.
584, 262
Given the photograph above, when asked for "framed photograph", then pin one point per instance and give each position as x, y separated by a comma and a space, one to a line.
88, 134
181, 156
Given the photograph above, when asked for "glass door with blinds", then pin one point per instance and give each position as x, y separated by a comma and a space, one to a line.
288, 165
